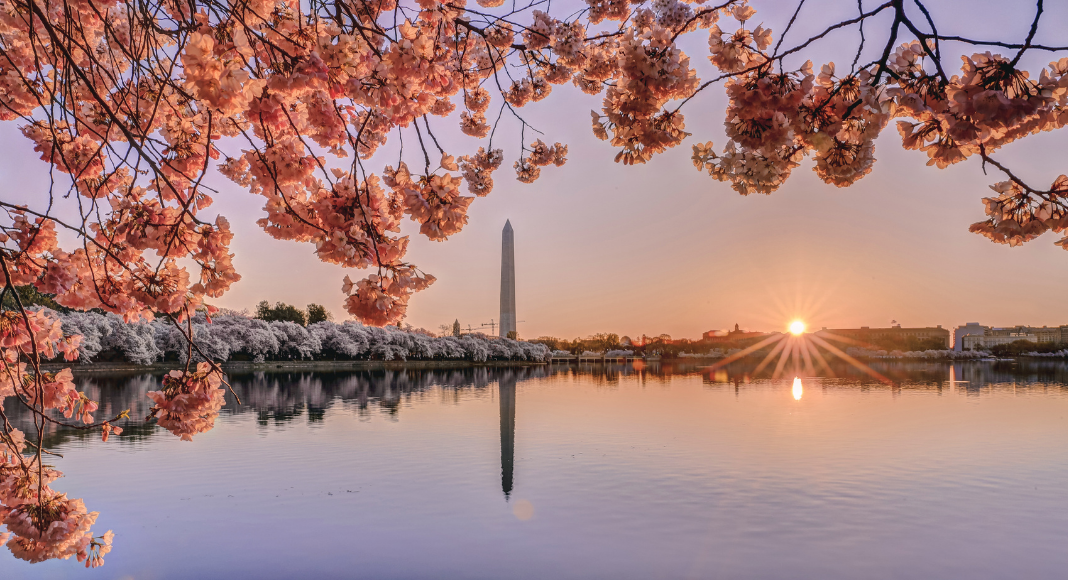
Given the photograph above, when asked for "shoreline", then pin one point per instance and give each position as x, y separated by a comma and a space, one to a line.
243, 366
396, 365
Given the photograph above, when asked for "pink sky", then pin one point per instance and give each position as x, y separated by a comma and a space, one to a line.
662, 248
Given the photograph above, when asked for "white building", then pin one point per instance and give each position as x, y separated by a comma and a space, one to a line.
968, 336
970, 329
983, 342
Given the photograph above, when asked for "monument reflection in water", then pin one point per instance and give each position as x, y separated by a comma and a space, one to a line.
952, 471
506, 395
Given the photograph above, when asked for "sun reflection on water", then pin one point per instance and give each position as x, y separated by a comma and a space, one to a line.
797, 388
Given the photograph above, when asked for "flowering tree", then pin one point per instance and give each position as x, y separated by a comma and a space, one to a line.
134, 104
234, 337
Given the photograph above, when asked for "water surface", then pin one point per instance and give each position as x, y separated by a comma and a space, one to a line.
951, 471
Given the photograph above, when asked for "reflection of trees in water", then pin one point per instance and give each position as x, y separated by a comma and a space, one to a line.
115, 392
612, 374
281, 397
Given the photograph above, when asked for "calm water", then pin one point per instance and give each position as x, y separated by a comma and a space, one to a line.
588, 473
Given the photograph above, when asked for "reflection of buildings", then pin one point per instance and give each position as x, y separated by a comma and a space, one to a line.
1033, 375
507, 397
970, 377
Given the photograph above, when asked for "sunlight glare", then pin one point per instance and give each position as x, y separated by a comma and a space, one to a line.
797, 388
797, 328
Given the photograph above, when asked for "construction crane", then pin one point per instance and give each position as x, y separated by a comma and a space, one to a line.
493, 325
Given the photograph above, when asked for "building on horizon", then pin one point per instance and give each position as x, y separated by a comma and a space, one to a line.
973, 335
984, 342
969, 329
893, 338
736, 335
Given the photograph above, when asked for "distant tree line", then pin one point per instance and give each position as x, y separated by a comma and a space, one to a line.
1024, 347
665, 346
30, 296
662, 345
282, 312
601, 342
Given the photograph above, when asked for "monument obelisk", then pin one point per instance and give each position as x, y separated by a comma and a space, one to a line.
507, 281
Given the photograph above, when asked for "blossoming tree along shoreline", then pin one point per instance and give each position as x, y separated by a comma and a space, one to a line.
133, 104
235, 337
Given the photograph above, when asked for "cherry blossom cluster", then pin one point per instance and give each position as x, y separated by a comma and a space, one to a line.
776, 119
988, 105
55, 528
189, 401
651, 71
41, 523
1018, 215
528, 169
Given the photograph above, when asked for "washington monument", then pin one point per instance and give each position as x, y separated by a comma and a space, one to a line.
507, 281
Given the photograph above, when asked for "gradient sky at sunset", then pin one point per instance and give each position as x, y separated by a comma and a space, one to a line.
661, 248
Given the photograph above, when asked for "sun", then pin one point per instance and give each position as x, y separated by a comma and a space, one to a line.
797, 328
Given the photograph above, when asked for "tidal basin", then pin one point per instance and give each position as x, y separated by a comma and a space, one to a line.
951, 471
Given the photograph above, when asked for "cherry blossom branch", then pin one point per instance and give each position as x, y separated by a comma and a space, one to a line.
975, 42
194, 346
1030, 34
832, 28
1045, 194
